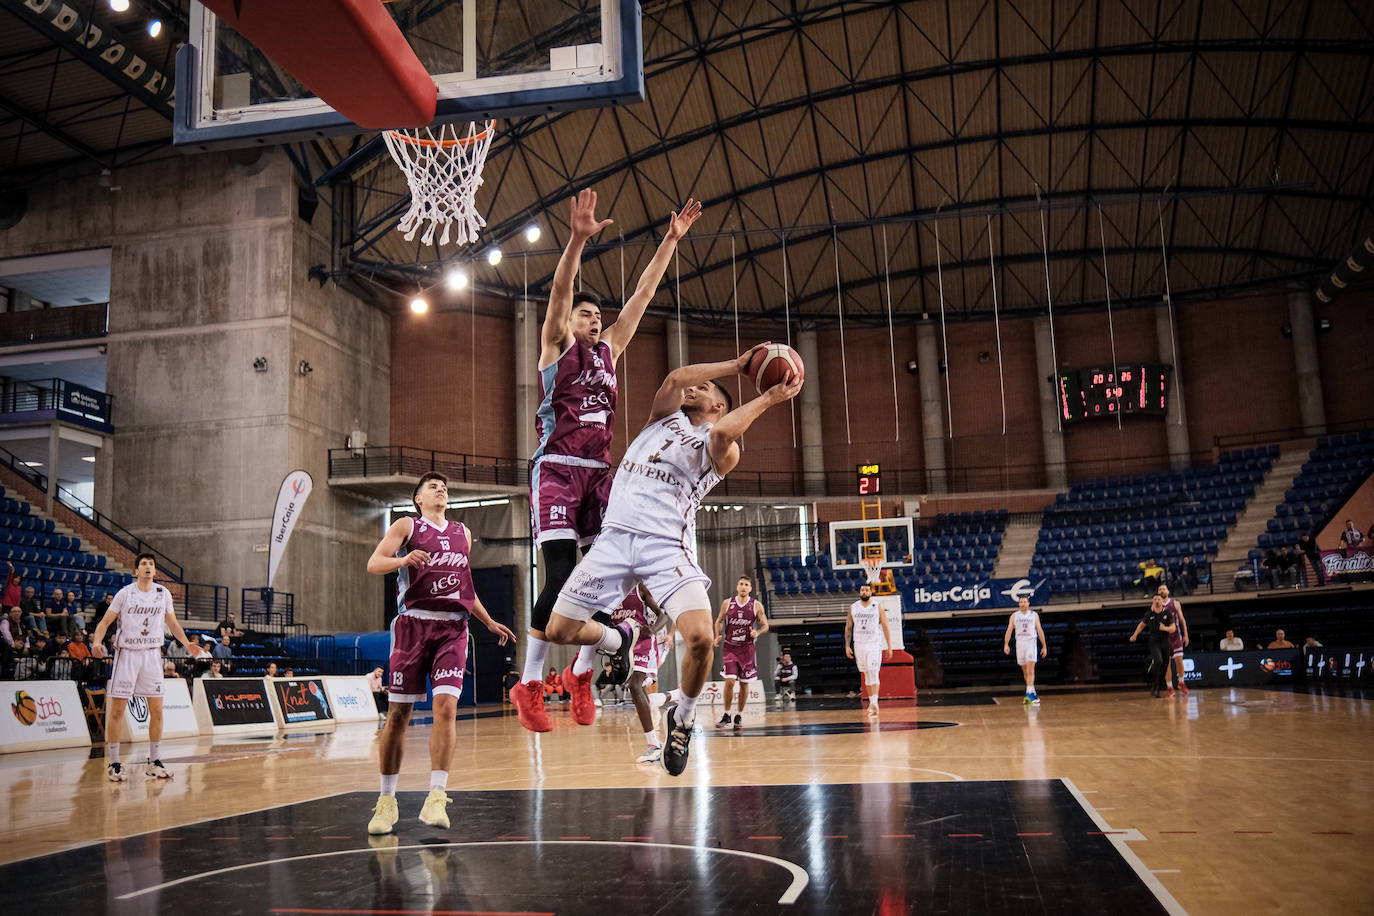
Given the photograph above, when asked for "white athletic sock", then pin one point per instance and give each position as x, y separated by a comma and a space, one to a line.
389, 783
686, 709
536, 653
610, 640
438, 779
583, 663
153, 751
651, 738
112, 751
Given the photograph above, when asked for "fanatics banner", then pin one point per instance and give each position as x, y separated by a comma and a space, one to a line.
291, 497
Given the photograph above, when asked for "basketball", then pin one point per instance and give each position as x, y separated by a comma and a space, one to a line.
24, 708
770, 365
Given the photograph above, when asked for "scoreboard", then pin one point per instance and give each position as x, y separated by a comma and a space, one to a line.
1097, 392
870, 479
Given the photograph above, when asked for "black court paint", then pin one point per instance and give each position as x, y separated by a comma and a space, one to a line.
995, 847
816, 728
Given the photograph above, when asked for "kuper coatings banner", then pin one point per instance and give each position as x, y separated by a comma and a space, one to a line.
965, 595
291, 497
41, 714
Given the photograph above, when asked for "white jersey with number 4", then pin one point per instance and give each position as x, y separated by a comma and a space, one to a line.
662, 479
141, 616
868, 625
1025, 627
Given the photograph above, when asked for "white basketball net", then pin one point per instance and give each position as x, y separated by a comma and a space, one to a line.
443, 167
873, 569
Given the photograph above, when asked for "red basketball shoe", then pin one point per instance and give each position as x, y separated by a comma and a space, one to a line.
583, 704
529, 706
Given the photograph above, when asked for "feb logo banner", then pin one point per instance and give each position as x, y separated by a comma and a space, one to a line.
946, 595
291, 497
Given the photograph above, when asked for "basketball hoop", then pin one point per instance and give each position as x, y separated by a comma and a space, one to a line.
444, 171
873, 569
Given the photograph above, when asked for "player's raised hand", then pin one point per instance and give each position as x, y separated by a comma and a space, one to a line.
502, 633
416, 558
583, 221
742, 361
681, 221
785, 390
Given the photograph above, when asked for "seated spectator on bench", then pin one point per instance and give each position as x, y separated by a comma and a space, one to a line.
31, 611
215, 670
56, 613
605, 684
290, 672
271, 670
227, 629
785, 678
169, 668
223, 653
80, 651
1232, 642
553, 686
1280, 642
12, 630
1311, 643
76, 614
376, 682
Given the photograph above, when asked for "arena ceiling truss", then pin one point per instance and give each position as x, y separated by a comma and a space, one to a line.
863, 156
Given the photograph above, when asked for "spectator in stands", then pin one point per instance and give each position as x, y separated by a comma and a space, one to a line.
222, 652
12, 627
169, 668
1187, 576
31, 611
271, 670
1290, 563
103, 605
1232, 642
1311, 643
13, 594
376, 682
1280, 642
76, 614
1351, 538
56, 612
553, 686
785, 678
215, 671
175, 650
289, 672
227, 629
606, 686
80, 652
1307, 544
1150, 575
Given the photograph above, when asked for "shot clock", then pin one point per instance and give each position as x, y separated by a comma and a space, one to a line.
1098, 392
870, 479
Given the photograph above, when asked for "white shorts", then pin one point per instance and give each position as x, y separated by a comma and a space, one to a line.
1026, 652
136, 672
620, 560
870, 661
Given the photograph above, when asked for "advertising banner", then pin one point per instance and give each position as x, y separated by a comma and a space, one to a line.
236, 705
291, 496
972, 595
714, 692
1355, 561
1240, 669
301, 701
351, 698
1336, 666
41, 714
178, 718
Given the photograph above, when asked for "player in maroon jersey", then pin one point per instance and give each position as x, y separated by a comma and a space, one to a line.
570, 478
429, 638
739, 624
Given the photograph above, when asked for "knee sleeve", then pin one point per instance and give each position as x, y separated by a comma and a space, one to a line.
560, 558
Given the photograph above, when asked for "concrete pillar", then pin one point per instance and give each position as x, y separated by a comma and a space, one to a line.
676, 333
932, 408
54, 447
1176, 413
526, 375
809, 407
1052, 439
1310, 403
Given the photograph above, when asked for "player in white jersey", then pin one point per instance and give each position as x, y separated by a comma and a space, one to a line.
648, 536
141, 607
868, 641
1026, 624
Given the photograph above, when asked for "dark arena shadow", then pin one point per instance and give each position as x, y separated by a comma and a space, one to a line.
1016, 846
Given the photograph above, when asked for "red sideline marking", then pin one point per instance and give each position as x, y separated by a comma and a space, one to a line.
899, 836
1193, 832
408, 912
765, 838
963, 834
1252, 831
624, 815
574, 838
1331, 833
1035, 834
224, 838
837, 836
636, 838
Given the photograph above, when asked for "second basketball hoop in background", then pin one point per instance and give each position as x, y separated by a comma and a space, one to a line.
770, 365
443, 167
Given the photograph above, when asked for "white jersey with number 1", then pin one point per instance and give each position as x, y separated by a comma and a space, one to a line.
662, 478
868, 625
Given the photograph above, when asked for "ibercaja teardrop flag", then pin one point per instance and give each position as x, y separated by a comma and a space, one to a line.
291, 497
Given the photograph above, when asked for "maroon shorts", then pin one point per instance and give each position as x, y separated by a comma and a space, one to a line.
423, 647
568, 501
739, 661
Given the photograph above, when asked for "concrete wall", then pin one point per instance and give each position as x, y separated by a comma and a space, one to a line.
207, 273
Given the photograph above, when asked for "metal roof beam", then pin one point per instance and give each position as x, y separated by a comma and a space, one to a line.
56, 133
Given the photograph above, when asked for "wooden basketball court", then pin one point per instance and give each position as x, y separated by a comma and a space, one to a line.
965, 803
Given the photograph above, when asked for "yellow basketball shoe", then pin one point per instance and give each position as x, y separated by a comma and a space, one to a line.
384, 816
434, 812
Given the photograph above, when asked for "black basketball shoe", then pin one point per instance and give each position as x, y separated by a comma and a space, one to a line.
679, 737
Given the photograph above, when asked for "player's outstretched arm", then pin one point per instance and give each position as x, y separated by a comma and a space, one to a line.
669, 395
384, 559
627, 322
582, 225
724, 442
